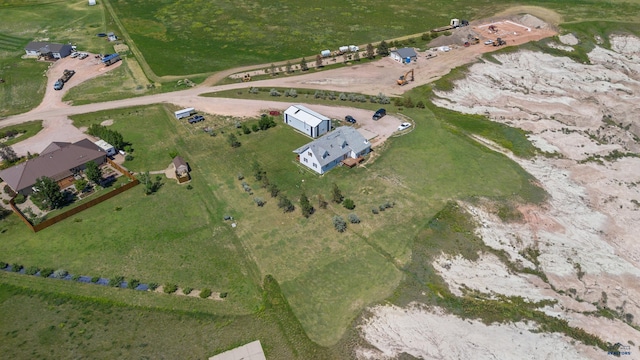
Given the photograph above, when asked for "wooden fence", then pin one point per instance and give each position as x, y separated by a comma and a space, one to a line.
93, 202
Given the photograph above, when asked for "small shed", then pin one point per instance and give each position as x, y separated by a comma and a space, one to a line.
111, 36
92, 2
401, 55
181, 169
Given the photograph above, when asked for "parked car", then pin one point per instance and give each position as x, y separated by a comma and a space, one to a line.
488, 42
379, 114
404, 126
58, 85
196, 119
74, 54
350, 119
83, 56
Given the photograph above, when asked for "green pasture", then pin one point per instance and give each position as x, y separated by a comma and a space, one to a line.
216, 35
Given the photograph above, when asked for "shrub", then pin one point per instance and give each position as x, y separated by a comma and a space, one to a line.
128, 157
95, 279
274, 92
322, 203
9, 191
336, 194
189, 187
259, 201
305, 206
133, 283
223, 295
255, 128
16, 267
348, 203
116, 281
240, 176
187, 290
339, 223
233, 141
245, 129
374, 210
3, 264
153, 286
75, 277
285, 204
32, 270
273, 190
205, 293
46, 272
20, 199
354, 219
381, 207
170, 288
389, 204
60, 273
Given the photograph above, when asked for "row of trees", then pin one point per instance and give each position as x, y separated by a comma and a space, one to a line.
111, 136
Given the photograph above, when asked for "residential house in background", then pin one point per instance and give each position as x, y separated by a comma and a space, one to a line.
325, 153
48, 49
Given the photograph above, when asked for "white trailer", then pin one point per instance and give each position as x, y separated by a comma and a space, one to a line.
181, 114
325, 53
106, 147
343, 49
353, 48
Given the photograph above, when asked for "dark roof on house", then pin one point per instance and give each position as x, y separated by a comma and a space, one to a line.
335, 144
45, 47
406, 52
179, 162
56, 161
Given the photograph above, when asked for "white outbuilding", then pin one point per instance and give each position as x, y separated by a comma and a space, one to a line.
307, 121
92, 2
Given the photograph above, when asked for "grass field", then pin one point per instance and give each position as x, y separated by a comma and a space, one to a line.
229, 35
326, 276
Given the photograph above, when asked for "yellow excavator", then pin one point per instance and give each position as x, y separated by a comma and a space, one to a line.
404, 79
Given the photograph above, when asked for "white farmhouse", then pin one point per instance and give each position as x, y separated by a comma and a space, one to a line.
325, 153
307, 121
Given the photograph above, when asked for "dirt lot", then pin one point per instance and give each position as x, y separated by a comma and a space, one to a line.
586, 232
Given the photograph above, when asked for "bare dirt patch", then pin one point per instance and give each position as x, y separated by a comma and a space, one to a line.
585, 232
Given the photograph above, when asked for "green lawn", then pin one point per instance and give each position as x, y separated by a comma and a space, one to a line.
25, 130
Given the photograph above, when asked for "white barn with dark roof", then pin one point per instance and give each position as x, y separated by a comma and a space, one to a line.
307, 121
325, 153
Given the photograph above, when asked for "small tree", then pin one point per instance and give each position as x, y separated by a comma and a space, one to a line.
116, 281
285, 204
93, 172
245, 129
356, 56
303, 65
47, 192
233, 141
339, 223
383, 48
322, 203
81, 184
272, 70
133, 283
258, 172
7, 154
305, 205
319, 61
348, 203
288, 68
370, 51
273, 190
336, 194
259, 201
354, 219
